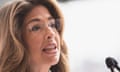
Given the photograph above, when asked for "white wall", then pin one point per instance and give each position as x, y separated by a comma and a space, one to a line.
3, 1
92, 33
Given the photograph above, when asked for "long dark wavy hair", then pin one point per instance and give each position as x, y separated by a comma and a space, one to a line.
13, 54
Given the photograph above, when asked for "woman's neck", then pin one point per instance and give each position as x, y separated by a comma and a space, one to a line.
39, 68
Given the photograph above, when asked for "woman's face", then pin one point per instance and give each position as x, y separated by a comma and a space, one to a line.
41, 36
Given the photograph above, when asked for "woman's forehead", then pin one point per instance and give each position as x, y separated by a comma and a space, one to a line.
38, 12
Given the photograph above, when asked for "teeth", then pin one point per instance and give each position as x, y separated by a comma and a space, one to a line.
51, 46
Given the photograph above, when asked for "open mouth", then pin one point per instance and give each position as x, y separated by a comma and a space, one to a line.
50, 49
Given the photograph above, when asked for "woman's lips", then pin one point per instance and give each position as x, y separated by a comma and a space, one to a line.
50, 49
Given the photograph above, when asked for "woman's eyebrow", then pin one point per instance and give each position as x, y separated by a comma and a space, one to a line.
37, 20
33, 20
50, 18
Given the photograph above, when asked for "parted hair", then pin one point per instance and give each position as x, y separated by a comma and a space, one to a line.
13, 53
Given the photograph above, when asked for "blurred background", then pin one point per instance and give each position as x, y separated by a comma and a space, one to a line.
92, 33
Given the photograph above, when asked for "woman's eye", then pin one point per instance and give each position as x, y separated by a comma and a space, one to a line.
53, 25
35, 28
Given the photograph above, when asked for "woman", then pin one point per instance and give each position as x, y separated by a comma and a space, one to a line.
31, 37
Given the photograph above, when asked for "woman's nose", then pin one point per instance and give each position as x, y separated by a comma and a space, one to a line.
49, 33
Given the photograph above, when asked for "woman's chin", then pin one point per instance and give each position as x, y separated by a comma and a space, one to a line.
52, 57
54, 60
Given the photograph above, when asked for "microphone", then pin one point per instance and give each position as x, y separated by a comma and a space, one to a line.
112, 63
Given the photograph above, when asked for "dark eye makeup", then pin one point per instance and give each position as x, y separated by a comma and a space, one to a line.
54, 25
57, 24
35, 28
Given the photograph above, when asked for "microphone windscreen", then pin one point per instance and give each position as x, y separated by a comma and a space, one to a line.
111, 62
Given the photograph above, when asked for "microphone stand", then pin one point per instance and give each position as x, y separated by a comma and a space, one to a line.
112, 69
